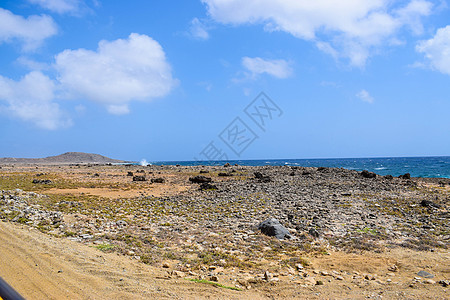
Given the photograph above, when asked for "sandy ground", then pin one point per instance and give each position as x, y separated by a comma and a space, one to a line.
39, 266
43, 267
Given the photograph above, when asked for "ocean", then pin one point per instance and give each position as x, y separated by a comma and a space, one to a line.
395, 166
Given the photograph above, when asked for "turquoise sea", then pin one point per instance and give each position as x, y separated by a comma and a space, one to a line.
395, 166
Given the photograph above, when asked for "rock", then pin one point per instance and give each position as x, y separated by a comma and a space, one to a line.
158, 180
339, 277
130, 174
393, 268
121, 223
139, 178
262, 177
204, 172
319, 282
227, 165
444, 283
389, 177
314, 233
166, 265
42, 181
267, 275
207, 186
200, 179
214, 278
273, 227
178, 274
405, 176
367, 174
425, 274
428, 203
429, 281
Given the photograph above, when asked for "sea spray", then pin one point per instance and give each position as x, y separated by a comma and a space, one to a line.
144, 163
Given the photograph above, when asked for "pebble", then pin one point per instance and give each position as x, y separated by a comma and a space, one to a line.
178, 274
267, 275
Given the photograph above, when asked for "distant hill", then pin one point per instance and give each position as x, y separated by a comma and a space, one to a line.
66, 158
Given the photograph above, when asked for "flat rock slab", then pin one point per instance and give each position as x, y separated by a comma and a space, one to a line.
425, 274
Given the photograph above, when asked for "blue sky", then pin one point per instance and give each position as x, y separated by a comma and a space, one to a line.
161, 80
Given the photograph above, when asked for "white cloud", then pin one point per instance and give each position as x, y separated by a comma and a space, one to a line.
437, 50
365, 96
59, 6
350, 28
117, 73
31, 100
29, 31
278, 68
198, 30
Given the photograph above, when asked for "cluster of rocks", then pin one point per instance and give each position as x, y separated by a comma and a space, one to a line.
17, 206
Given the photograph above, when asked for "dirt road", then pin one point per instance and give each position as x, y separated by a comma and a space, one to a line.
42, 267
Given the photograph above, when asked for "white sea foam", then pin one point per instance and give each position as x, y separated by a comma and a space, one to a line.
144, 163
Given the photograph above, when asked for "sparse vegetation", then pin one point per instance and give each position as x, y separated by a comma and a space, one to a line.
214, 284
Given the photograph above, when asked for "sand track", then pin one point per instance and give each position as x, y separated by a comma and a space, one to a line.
43, 267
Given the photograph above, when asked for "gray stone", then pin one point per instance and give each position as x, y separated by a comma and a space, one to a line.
273, 227
425, 274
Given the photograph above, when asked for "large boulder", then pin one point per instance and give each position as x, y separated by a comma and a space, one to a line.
405, 176
273, 227
139, 178
262, 177
158, 180
200, 179
367, 174
207, 186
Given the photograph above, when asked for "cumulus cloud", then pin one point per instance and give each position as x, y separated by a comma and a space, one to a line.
278, 68
31, 99
365, 96
59, 6
30, 32
437, 50
117, 73
198, 30
350, 29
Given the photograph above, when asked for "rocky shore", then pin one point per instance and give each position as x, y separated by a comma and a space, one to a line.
203, 222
